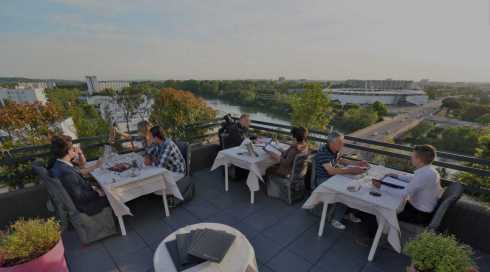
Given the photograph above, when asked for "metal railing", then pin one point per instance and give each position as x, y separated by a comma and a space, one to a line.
457, 161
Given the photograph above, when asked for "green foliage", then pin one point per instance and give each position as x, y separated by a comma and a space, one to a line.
355, 118
484, 119
174, 109
311, 109
463, 140
26, 240
380, 108
439, 253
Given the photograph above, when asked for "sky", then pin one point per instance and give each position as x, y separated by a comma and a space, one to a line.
443, 40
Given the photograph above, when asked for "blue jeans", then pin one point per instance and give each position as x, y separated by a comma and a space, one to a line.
339, 211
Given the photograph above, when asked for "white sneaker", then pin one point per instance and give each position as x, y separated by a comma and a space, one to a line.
336, 224
354, 219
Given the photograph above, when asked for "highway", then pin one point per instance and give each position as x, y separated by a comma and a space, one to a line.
393, 127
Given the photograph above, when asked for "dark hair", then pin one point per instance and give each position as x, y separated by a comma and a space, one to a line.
299, 133
245, 115
60, 145
157, 132
427, 153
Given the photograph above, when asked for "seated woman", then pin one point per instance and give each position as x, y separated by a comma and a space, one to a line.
286, 159
70, 168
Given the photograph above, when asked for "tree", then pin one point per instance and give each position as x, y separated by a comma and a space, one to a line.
484, 119
311, 109
380, 108
356, 118
174, 109
129, 101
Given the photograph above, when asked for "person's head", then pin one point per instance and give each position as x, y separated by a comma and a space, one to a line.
335, 141
62, 147
300, 134
245, 120
157, 135
423, 155
144, 127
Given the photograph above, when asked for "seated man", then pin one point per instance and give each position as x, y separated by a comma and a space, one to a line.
326, 166
165, 153
423, 189
87, 198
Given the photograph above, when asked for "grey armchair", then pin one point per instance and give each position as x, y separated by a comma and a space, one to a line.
88, 228
292, 188
450, 196
186, 184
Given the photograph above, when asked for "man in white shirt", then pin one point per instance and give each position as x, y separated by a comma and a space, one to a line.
423, 189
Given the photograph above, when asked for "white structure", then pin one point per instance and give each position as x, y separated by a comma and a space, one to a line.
111, 111
35, 85
94, 86
19, 95
369, 96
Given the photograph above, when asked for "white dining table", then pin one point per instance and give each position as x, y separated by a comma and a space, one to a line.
384, 207
239, 258
120, 188
257, 165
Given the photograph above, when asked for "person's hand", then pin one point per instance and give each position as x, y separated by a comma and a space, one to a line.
376, 183
148, 161
99, 163
363, 163
357, 170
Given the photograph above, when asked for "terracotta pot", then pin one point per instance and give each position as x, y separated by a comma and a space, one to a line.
51, 261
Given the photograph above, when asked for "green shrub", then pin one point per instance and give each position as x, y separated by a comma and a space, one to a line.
439, 253
26, 240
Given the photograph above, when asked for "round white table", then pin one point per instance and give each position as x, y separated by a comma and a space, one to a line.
239, 258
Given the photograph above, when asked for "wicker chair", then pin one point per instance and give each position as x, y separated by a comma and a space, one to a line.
451, 195
89, 228
292, 188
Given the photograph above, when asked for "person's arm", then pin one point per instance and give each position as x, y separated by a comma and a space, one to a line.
361, 163
406, 178
164, 156
331, 170
86, 170
78, 188
415, 185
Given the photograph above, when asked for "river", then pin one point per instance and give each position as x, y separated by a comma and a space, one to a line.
224, 108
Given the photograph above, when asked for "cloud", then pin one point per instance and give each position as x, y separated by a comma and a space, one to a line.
446, 40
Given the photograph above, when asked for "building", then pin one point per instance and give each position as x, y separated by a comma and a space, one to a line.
387, 84
22, 95
95, 86
112, 112
364, 96
33, 85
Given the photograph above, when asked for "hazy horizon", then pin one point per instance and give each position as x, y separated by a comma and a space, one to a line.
182, 39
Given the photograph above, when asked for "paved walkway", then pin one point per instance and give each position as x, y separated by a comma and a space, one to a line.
284, 237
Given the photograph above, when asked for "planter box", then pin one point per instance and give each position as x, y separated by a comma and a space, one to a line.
51, 261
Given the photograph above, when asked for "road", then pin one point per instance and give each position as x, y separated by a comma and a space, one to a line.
396, 126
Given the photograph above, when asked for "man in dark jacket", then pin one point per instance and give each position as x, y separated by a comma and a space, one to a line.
87, 198
238, 132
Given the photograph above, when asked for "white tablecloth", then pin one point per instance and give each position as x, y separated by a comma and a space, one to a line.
239, 258
257, 165
385, 207
122, 187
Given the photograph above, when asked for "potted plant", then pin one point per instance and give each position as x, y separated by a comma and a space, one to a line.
32, 245
431, 252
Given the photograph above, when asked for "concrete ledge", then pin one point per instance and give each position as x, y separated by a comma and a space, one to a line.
26, 203
469, 221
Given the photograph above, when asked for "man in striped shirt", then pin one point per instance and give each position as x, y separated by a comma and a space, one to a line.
326, 160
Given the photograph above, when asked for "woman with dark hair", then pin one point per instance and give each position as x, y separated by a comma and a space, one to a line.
286, 159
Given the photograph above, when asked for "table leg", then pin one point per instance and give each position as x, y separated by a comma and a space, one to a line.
121, 225
165, 204
322, 219
226, 177
252, 197
374, 246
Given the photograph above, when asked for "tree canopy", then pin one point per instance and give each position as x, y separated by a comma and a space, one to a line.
311, 109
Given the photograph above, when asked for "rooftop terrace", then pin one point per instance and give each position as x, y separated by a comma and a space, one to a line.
284, 237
